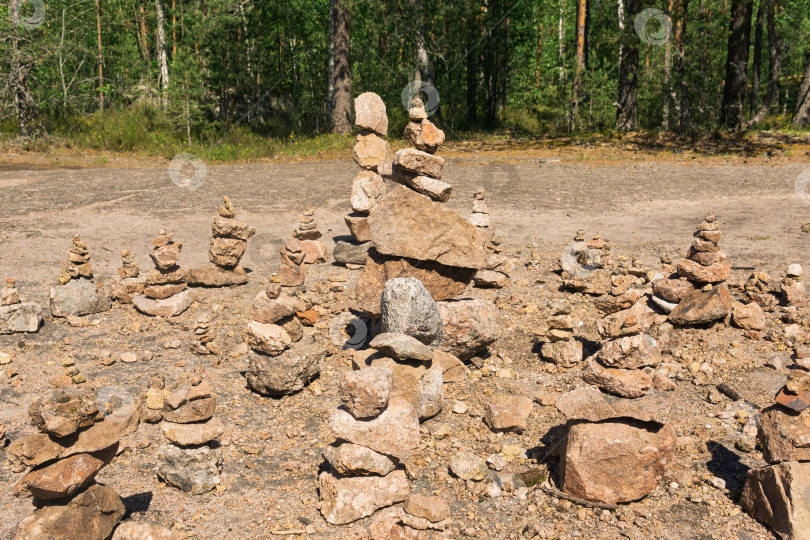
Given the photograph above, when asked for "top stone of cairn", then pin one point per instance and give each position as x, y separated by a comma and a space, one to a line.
370, 113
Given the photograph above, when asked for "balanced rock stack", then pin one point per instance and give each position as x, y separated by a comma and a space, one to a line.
193, 460
292, 271
776, 494
129, 268
582, 267
560, 347
272, 368
480, 211
706, 269
757, 290
495, 273
307, 232
166, 293
373, 155
792, 288
75, 442
15, 315
412, 232
76, 294
127, 284
229, 243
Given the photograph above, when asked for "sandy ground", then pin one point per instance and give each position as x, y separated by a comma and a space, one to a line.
647, 208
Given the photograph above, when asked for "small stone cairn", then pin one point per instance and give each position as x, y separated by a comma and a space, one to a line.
193, 460
76, 294
16, 315
77, 438
229, 243
166, 293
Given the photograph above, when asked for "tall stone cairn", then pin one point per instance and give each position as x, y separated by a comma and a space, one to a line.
229, 242
412, 233
165, 293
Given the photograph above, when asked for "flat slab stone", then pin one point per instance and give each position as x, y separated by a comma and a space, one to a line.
24, 317
214, 276
589, 403
344, 500
170, 307
78, 297
407, 224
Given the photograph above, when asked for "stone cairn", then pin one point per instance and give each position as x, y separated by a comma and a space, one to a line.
129, 268
16, 315
77, 438
619, 443
373, 155
698, 294
193, 460
495, 274
560, 346
391, 388
792, 289
229, 243
128, 282
203, 343
76, 294
412, 233
315, 251
582, 265
291, 271
777, 493
166, 293
275, 327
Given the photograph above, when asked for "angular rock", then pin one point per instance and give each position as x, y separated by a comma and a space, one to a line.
672, 290
424, 135
315, 251
783, 435
193, 434
507, 413
214, 276
407, 224
588, 403
197, 410
91, 515
287, 373
78, 297
777, 497
702, 307
567, 353
226, 252
468, 466
344, 500
442, 282
694, 271
115, 426
353, 460
628, 383
270, 311
170, 307
407, 308
430, 187
394, 433
419, 383
616, 462
358, 227
748, 316
490, 279
292, 276
140, 530
64, 411
369, 151
232, 228
367, 190
628, 322
453, 369
23, 317
269, 339
365, 393
470, 326
67, 476
194, 470
630, 352
416, 161
33, 450
348, 253
165, 257
612, 304
433, 509
370, 113
402, 347
161, 292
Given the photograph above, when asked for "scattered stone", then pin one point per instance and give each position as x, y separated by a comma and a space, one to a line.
702, 307
194, 470
467, 466
470, 326
22, 317
508, 413
776, 496
140, 530
407, 308
748, 316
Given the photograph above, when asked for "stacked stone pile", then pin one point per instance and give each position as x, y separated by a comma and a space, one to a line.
129, 282
495, 273
792, 288
76, 294
560, 346
307, 232
582, 266
129, 268
229, 243
412, 232
699, 289
283, 354
16, 315
373, 155
193, 460
77, 439
777, 493
165, 293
